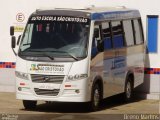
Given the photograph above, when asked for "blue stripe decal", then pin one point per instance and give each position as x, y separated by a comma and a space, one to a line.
115, 15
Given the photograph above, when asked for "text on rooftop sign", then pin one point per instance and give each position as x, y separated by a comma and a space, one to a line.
59, 19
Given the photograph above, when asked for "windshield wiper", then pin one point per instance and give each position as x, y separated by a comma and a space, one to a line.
52, 58
45, 54
74, 57
71, 55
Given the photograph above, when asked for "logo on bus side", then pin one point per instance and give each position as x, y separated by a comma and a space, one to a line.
33, 67
46, 78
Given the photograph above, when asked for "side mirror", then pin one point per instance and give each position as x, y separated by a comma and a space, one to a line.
12, 30
96, 33
13, 42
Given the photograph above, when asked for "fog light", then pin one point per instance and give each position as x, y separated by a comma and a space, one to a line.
19, 88
77, 91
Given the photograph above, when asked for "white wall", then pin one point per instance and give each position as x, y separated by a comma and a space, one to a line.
10, 8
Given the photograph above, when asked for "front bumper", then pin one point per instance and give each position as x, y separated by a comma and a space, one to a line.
69, 96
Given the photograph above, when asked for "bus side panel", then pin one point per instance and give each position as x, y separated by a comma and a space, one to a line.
135, 62
120, 69
109, 86
96, 66
128, 59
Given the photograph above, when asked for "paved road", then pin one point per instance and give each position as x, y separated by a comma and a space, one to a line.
112, 108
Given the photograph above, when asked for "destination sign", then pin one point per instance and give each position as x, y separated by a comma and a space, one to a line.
59, 19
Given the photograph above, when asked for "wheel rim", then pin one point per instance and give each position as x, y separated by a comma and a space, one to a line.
96, 97
128, 90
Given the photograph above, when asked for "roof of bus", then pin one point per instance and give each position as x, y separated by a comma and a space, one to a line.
94, 13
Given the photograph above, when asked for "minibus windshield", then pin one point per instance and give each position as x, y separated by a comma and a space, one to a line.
55, 37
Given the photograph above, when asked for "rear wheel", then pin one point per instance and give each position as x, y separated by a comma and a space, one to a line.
28, 104
128, 90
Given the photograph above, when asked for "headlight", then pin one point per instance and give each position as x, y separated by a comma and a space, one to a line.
22, 75
77, 77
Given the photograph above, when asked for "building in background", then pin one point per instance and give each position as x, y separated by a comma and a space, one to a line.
15, 13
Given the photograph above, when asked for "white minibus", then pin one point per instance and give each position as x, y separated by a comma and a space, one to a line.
79, 55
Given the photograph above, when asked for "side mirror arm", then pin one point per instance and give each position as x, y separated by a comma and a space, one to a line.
14, 52
13, 44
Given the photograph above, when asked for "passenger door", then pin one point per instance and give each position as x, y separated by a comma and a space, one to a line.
96, 65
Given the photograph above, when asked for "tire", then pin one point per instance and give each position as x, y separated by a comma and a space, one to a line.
128, 90
28, 104
95, 98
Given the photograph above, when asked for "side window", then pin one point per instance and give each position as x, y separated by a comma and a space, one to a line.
27, 37
106, 34
127, 25
138, 32
118, 37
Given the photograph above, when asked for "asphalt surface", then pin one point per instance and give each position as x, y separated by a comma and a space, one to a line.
111, 109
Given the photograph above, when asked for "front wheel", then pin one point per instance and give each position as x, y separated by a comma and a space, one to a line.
29, 104
95, 98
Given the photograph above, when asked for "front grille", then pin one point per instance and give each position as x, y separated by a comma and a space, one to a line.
57, 79
46, 92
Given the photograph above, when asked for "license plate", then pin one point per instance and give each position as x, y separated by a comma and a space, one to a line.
46, 87
51, 68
